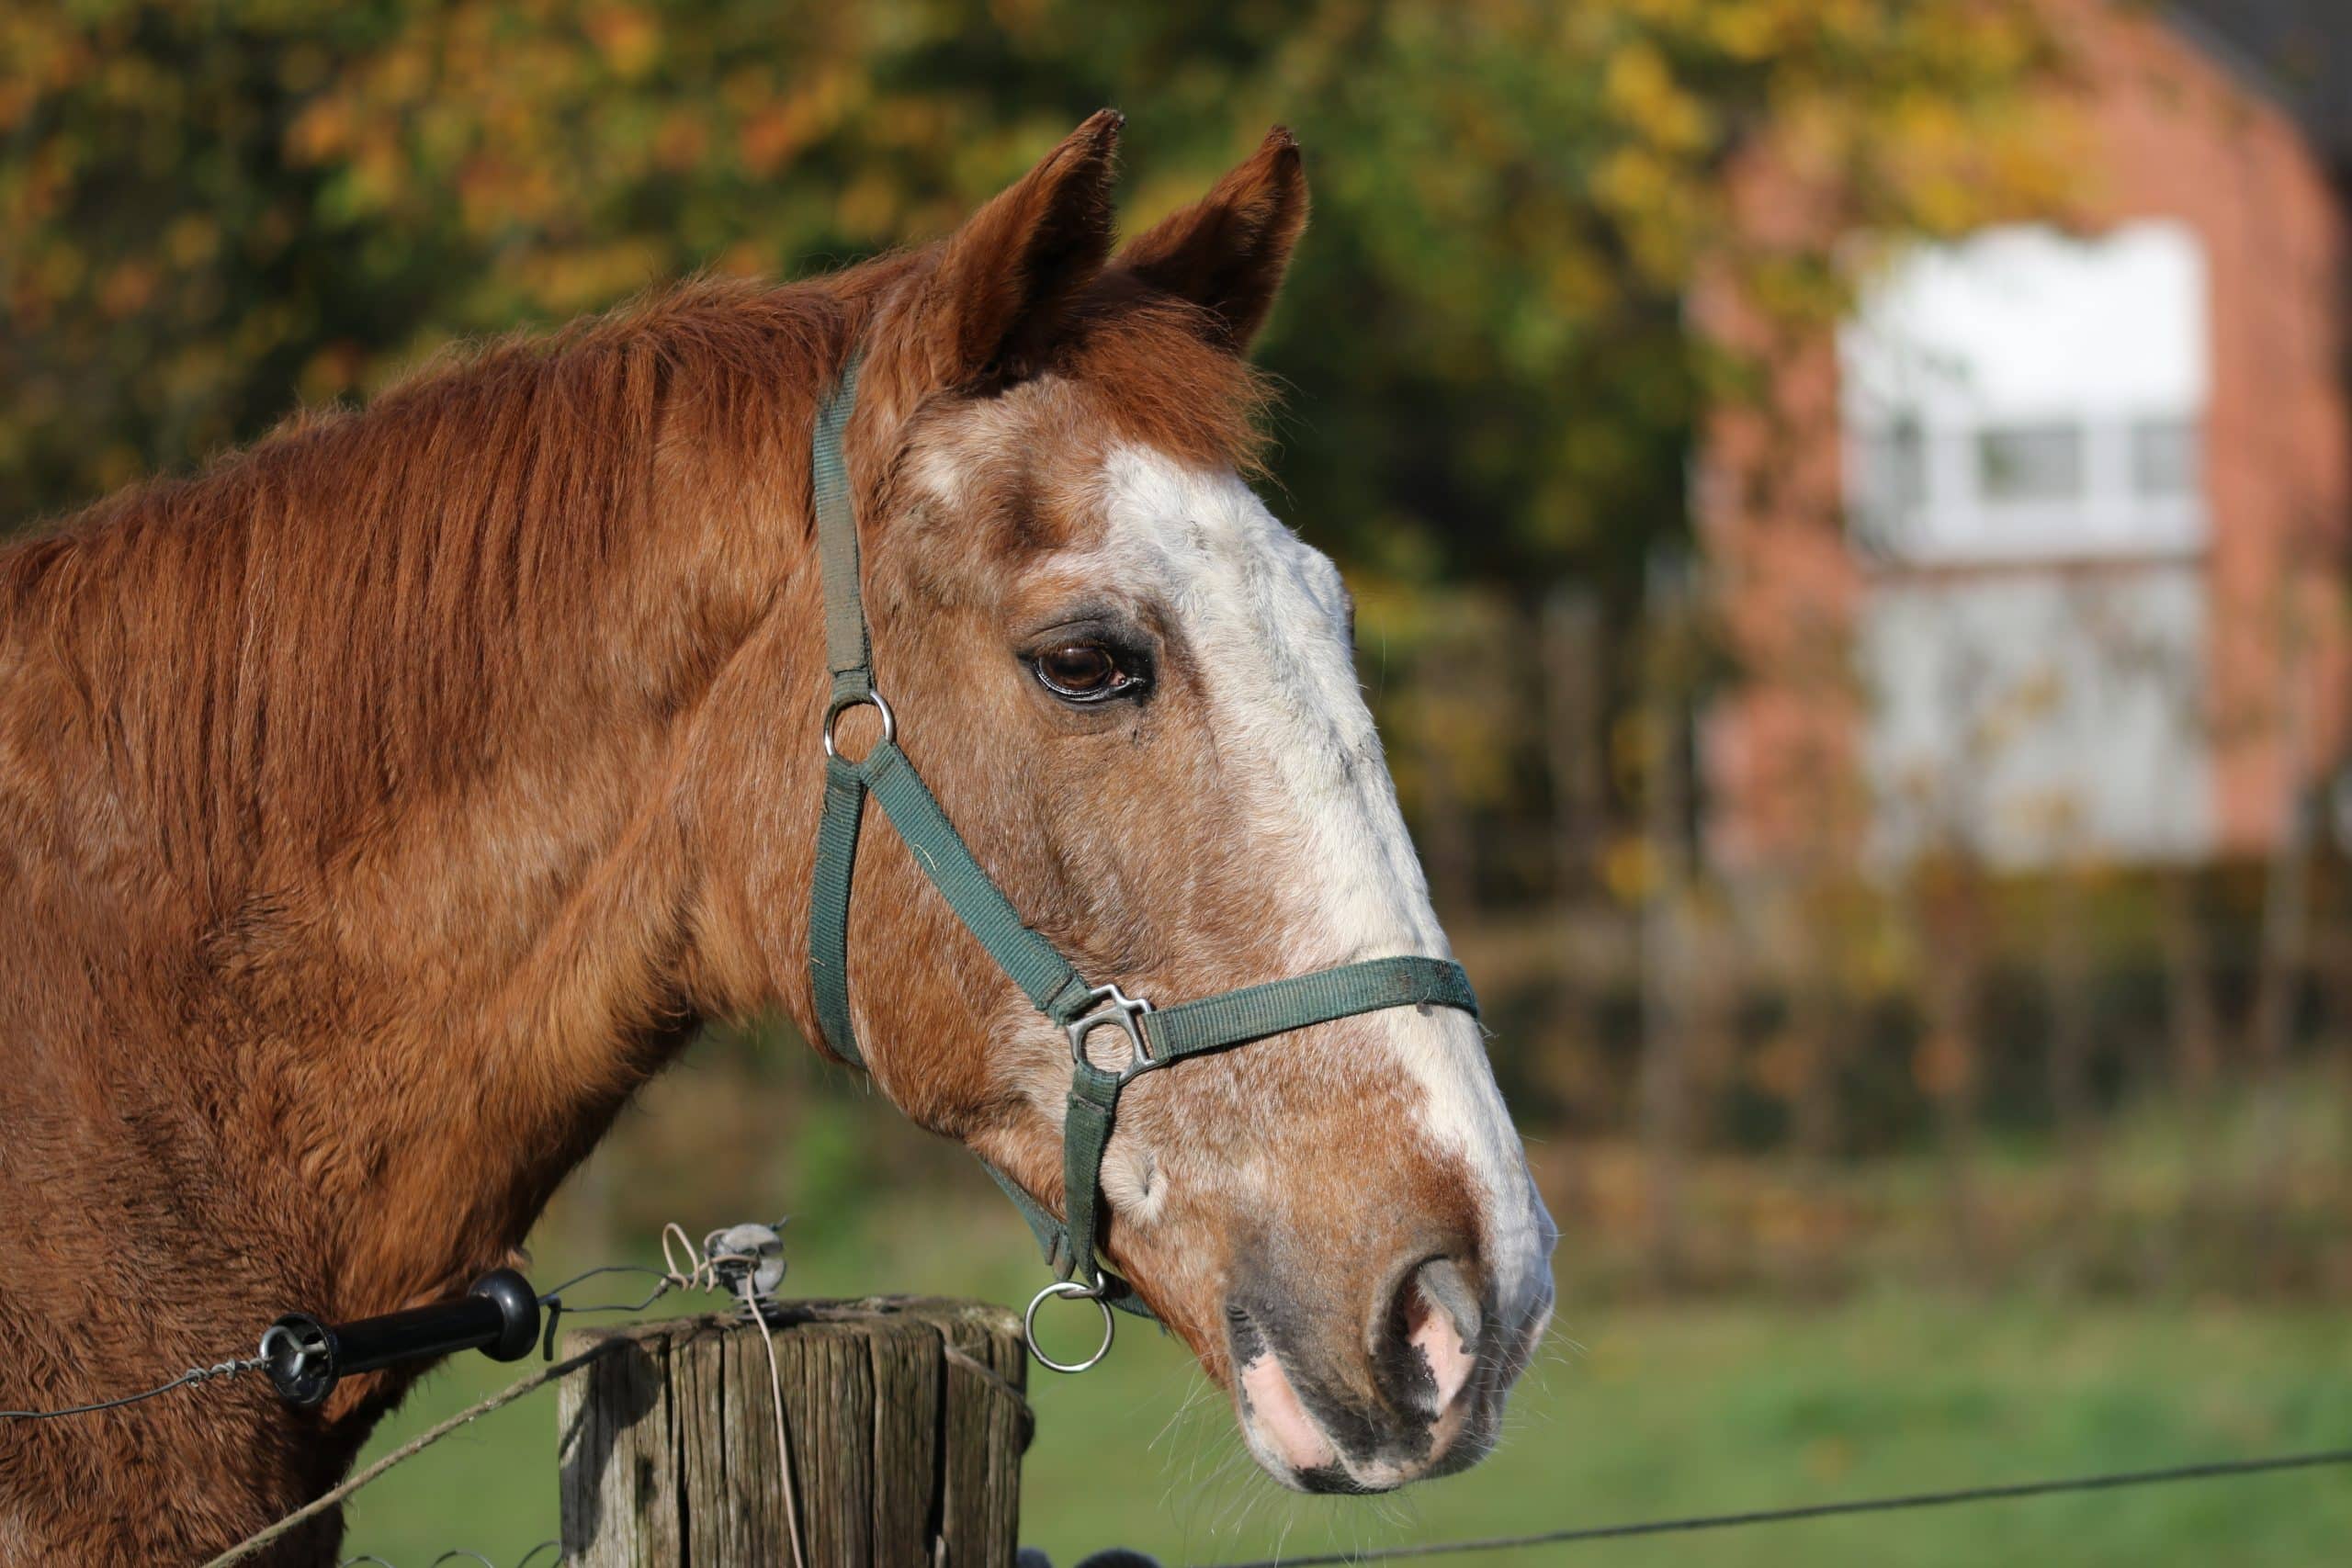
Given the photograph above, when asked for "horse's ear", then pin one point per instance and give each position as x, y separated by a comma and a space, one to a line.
1228, 252
1008, 273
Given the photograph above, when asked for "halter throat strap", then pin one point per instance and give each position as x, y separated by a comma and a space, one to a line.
1155, 1037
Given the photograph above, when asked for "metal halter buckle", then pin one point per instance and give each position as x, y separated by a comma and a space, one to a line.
1120, 1012
1077, 1291
840, 705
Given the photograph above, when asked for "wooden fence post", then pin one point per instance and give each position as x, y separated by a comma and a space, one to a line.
904, 1418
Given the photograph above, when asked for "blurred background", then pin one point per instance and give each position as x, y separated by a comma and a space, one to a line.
1847, 501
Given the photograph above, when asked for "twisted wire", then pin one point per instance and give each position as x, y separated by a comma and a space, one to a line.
187, 1379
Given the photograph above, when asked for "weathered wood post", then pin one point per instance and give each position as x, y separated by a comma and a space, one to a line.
904, 1424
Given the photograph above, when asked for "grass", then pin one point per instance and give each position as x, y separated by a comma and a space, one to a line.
1640, 1409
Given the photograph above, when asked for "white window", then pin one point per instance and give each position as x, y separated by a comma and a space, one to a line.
2030, 406
2031, 717
2026, 396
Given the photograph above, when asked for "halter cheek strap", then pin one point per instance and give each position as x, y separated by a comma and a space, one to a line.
1155, 1036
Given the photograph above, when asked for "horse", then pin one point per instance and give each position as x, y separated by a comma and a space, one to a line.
383, 805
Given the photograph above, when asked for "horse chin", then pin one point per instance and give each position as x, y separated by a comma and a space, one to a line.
1293, 1448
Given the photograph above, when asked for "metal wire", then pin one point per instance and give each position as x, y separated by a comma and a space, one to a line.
667, 1284
333, 1496
195, 1375
457, 1554
2108, 1481
688, 1268
187, 1379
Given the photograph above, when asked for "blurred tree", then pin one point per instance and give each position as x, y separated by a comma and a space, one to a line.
212, 210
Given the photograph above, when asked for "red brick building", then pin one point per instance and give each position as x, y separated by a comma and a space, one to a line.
2042, 556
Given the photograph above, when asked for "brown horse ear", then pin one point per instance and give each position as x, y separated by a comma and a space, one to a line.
1008, 273
1228, 252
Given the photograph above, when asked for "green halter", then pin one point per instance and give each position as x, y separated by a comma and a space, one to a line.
1156, 1037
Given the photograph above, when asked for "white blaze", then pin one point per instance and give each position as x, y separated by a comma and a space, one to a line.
1266, 616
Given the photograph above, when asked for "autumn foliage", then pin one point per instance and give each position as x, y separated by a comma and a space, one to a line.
212, 211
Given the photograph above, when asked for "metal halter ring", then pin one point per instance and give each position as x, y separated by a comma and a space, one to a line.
1069, 1288
841, 705
1119, 1011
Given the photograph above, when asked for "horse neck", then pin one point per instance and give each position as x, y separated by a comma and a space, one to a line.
434, 986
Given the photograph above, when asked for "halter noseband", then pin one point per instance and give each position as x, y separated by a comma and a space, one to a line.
1156, 1037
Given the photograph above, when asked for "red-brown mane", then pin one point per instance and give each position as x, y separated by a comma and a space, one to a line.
423, 562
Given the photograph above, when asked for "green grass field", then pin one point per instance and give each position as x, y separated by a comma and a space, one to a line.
1639, 1409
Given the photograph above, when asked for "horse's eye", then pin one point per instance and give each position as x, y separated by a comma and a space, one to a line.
1082, 672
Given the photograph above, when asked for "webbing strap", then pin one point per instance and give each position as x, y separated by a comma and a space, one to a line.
1054, 1242
847, 654
1056, 990
1032, 964
1253, 1012
1093, 1106
828, 905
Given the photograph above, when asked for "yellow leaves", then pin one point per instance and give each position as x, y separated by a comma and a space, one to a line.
1578, 284
1659, 205
743, 259
1744, 30
116, 464
262, 330
1661, 15
748, 89
128, 81
683, 142
629, 38
191, 240
1632, 179
321, 131
867, 206
332, 372
374, 174
571, 281
778, 131
415, 63
1640, 89
1526, 187
57, 270
1628, 869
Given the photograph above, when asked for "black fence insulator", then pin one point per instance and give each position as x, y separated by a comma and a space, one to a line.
499, 1316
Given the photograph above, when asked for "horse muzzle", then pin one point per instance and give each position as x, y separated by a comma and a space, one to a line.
1418, 1392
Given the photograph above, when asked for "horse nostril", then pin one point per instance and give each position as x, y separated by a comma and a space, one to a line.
1430, 1343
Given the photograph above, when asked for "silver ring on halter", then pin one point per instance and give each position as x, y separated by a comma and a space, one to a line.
1069, 1288
842, 704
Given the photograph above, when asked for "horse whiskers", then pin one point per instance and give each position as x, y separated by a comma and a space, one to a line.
1191, 1402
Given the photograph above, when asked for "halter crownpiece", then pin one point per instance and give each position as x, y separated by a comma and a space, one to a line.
1156, 1037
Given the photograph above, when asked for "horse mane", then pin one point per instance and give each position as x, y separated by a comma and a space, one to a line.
371, 603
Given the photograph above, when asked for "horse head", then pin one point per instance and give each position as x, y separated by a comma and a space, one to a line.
1133, 691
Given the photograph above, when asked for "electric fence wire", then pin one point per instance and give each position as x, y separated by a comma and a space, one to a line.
460, 1554
2107, 1482
187, 1379
687, 1268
